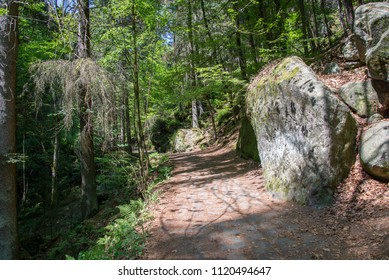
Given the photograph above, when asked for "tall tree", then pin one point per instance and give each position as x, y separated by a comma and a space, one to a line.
88, 170
9, 247
304, 24
143, 157
348, 5
239, 45
192, 75
346, 16
327, 26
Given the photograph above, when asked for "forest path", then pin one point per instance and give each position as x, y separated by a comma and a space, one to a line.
215, 207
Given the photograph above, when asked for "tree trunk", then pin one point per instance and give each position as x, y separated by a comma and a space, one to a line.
212, 119
9, 246
215, 53
341, 16
328, 29
315, 28
262, 15
143, 157
304, 25
127, 124
195, 118
195, 115
122, 120
240, 53
89, 204
348, 5
253, 49
54, 169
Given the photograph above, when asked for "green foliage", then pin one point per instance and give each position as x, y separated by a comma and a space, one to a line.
124, 233
3, 12
116, 173
161, 132
124, 237
267, 29
223, 115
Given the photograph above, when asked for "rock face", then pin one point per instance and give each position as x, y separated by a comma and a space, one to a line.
372, 38
374, 151
361, 97
331, 68
247, 146
306, 136
349, 50
374, 118
188, 139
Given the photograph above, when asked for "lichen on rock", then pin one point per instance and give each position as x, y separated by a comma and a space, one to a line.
189, 139
306, 136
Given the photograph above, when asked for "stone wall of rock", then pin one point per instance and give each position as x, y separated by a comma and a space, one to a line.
372, 38
306, 136
186, 140
374, 152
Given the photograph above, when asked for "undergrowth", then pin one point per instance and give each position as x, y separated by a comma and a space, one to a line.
118, 230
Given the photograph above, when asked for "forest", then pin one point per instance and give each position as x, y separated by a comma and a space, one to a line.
94, 92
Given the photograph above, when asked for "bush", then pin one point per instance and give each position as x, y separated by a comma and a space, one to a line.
161, 132
124, 238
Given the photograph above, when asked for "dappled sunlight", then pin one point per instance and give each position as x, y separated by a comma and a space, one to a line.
216, 207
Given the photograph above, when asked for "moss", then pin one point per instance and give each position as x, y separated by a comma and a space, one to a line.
271, 77
276, 187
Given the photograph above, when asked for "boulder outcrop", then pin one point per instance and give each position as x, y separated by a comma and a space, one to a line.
372, 38
306, 136
361, 97
367, 98
374, 150
349, 49
189, 139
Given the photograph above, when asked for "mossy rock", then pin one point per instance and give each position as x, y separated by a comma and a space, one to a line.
188, 139
306, 136
374, 153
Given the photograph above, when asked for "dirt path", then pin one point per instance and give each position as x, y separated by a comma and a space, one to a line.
215, 207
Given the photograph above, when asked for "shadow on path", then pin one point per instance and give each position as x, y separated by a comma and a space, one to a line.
215, 207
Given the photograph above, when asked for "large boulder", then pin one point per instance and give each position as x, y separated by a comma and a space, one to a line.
306, 136
361, 97
349, 49
247, 146
186, 140
372, 38
374, 151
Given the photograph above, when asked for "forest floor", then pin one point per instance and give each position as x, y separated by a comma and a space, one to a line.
215, 206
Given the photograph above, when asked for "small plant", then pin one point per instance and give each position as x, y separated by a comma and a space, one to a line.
111, 234
124, 237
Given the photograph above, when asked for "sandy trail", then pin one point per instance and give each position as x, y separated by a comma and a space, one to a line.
215, 207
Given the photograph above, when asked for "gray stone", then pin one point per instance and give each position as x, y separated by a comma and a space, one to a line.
247, 146
374, 151
331, 68
382, 89
188, 139
361, 97
349, 65
375, 118
371, 33
306, 136
377, 58
349, 50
